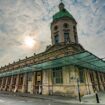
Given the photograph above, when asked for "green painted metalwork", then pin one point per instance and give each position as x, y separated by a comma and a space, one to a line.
62, 13
84, 59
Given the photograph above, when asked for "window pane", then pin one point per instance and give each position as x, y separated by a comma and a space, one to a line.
81, 73
58, 80
66, 37
56, 39
57, 75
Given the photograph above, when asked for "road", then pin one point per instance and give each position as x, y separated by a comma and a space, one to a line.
17, 100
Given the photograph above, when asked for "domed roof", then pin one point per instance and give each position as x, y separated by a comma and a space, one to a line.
62, 13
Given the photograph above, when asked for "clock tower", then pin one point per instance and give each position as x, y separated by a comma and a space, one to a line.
63, 27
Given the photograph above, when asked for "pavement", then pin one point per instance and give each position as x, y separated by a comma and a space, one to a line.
17, 100
86, 100
91, 99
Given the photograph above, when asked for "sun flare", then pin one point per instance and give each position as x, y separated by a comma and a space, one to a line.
29, 41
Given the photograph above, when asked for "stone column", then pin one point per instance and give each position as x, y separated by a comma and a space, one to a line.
24, 86
94, 80
45, 90
100, 82
82, 86
17, 83
6, 84
2, 84
66, 87
74, 76
50, 84
103, 80
33, 83
66, 75
88, 82
0, 81
11, 82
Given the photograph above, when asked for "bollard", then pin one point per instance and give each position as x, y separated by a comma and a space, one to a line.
97, 98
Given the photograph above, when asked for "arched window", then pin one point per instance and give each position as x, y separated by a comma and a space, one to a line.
56, 38
75, 37
66, 25
56, 27
74, 28
66, 37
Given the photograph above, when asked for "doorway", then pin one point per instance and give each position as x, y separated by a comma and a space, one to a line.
38, 82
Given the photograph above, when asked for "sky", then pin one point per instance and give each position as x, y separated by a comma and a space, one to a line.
20, 19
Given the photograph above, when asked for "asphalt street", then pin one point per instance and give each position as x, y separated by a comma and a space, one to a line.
17, 100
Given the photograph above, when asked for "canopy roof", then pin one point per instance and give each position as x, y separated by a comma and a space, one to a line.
83, 59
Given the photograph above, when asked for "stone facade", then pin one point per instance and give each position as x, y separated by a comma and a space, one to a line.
61, 29
64, 80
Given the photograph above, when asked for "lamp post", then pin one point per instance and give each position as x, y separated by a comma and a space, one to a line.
79, 95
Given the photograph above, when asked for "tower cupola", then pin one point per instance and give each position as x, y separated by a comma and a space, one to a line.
63, 27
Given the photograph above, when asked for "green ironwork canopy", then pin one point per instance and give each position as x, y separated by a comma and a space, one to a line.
84, 59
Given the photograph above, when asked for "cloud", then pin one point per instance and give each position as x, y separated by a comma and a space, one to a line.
20, 18
91, 28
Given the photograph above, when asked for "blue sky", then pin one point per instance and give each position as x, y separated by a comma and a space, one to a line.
22, 18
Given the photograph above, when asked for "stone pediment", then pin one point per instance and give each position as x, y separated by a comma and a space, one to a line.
76, 47
54, 47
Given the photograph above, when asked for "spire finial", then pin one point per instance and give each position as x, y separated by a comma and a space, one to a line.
61, 5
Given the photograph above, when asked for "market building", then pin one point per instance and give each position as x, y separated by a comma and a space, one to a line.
64, 68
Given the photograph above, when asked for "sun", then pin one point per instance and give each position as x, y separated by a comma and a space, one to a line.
29, 41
